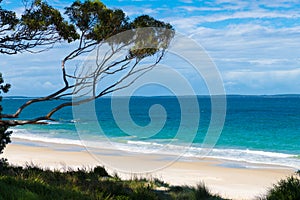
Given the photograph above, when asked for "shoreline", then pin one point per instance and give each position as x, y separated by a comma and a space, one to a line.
230, 179
234, 155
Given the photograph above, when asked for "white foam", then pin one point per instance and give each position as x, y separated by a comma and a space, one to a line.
253, 152
24, 134
240, 155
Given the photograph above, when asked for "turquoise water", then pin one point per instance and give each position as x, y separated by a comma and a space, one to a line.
258, 129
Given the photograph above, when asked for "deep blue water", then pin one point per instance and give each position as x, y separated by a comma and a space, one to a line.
260, 129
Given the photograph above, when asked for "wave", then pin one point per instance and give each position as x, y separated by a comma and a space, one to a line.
256, 157
48, 122
26, 135
166, 147
239, 155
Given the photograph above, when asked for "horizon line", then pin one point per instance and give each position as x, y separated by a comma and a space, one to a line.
169, 95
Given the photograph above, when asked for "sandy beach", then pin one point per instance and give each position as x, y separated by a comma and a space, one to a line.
234, 180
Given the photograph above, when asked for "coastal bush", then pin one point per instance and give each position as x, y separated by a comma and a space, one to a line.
32, 182
200, 192
286, 189
4, 134
143, 193
15, 188
100, 171
3, 163
4, 137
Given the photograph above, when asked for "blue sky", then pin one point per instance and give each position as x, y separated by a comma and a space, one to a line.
254, 44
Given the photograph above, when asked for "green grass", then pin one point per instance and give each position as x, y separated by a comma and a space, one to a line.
286, 189
32, 182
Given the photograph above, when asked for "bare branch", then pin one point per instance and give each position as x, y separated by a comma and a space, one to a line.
95, 24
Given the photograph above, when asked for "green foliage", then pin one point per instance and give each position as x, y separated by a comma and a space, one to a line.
4, 134
33, 182
154, 38
39, 25
3, 87
100, 171
3, 164
15, 188
143, 193
42, 17
287, 189
98, 23
4, 137
95, 20
91, 22
200, 192
8, 19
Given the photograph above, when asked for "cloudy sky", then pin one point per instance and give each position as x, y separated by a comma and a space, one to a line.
254, 44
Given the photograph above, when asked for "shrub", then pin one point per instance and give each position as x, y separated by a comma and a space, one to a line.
202, 192
287, 189
33, 182
100, 171
4, 134
143, 193
3, 164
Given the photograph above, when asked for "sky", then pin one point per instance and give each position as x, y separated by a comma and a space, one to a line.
255, 45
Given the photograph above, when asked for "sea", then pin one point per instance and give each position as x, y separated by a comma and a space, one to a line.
261, 129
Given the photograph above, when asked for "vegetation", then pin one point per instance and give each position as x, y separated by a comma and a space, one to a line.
90, 25
4, 134
32, 182
40, 25
287, 189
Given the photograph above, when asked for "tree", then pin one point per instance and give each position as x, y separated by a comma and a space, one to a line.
40, 26
96, 26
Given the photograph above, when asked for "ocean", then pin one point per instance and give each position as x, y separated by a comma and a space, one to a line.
257, 129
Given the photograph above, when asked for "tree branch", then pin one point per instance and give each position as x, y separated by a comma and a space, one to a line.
43, 26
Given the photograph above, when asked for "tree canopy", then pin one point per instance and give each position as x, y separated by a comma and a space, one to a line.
90, 25
39, 26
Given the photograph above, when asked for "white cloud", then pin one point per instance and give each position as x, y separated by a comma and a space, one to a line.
278, 3
184, 24
194, 8
258, 14
193, 26
242, 4
49, 85
149, 11
244, 75
267, 61
250, 40
268, 81
133, 11
34, 85
255, 44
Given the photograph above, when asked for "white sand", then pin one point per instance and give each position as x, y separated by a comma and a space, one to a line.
246, 182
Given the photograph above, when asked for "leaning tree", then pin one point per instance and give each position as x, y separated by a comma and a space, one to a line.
38, 29
92, 27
